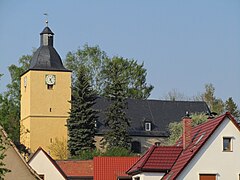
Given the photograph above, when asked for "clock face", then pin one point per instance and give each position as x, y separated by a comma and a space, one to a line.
50, 79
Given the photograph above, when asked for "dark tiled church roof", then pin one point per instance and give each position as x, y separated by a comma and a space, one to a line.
158, 112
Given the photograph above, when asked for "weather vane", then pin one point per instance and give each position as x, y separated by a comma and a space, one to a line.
46, 15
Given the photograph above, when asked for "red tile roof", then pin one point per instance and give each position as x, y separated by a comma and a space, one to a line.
157, 159
77, 167
199, 136
109, 168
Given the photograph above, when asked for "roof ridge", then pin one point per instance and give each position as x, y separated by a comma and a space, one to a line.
32, 171
51, 159
148, 151
220, 118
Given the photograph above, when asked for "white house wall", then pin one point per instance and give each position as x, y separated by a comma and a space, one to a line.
212, 160
149, 176
42, 165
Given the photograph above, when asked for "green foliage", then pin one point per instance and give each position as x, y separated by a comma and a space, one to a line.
3, 146
198, 118
58, 149
87, 154
96, 63
91, 153
9, 117
133, 74
215, 104
92, 59
117, 151
81, 122
231, 107
10, 100
176, 128
116, 120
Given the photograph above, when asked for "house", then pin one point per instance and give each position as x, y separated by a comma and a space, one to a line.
208, 151
77, 169
45, 166
149, 119
50, 169
100, 168
15, 162
112, 168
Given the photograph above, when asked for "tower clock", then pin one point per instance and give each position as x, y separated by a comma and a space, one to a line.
44, 112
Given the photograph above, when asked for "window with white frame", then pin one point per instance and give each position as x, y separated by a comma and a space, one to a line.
147, 126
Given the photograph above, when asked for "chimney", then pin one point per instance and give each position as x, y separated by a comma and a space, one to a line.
187, 130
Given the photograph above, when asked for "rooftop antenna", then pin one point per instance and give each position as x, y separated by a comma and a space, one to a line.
46, 16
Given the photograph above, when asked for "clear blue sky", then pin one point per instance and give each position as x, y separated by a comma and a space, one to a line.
183, 44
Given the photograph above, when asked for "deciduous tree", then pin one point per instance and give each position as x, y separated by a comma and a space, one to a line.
95, 61
92, 58
175, 128
215, 104
58, 149
10, 100
175, 95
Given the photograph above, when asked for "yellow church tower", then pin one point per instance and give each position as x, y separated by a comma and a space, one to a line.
45, 96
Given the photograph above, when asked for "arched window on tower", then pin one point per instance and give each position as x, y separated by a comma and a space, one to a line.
136, 147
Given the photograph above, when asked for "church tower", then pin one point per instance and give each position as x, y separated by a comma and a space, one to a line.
45, 96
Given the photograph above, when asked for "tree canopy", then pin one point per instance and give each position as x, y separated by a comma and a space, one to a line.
10, 100
231, 107
96, 63
175, 128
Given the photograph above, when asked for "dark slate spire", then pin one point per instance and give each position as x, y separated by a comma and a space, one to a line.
46, 57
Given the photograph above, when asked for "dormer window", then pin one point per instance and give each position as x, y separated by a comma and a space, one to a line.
227, 144
147, 126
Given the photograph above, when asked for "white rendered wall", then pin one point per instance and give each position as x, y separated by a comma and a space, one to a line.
149, 176
212, 160
42, 165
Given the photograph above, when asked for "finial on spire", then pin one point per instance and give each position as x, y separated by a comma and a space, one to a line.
46, 21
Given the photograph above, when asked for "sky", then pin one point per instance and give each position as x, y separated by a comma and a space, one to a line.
184, 44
